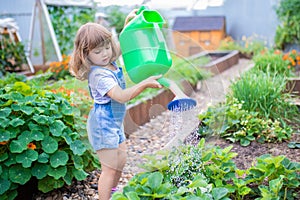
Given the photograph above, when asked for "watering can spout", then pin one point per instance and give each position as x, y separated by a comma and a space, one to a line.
181, 101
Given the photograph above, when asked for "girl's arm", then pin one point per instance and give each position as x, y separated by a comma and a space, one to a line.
123, 96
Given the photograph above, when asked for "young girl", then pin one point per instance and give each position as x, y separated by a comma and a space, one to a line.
93, 58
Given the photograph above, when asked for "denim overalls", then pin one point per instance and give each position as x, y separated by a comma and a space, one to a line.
105, 121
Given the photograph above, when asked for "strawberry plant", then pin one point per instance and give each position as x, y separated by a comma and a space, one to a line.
230, 121
41, 137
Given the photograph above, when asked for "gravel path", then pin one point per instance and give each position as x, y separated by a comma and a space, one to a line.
157, 134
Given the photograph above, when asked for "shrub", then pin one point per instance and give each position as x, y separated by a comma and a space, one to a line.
12, 55
288, 30
272, 62
40, 138
60, 70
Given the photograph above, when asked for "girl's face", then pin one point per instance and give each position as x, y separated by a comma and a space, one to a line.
101, 56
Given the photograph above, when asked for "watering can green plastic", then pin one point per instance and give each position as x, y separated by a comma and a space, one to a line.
143, 46
145, 53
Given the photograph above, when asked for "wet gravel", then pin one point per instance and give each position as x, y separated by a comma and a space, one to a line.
155, 135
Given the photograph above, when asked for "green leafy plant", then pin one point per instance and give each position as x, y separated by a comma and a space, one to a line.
230, 121
66, 21
288, 30
116, 17
12, 55
281, 174
42, 139
213, 176
273, 62
264, 93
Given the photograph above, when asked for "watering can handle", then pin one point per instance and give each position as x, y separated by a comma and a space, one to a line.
143, 7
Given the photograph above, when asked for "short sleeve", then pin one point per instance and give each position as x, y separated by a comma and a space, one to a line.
103, 81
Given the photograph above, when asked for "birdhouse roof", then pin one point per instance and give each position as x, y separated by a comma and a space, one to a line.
199, 23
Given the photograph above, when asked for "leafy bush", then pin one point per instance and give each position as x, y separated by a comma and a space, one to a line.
289, 16
41, 138
66, 21
273, 62
12, 55
212, 174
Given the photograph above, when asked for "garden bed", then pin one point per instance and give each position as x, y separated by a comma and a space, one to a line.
220, 60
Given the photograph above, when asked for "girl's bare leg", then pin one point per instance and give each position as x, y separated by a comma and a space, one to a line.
112, 163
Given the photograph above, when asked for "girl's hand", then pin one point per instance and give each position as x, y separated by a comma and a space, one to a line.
152, 82
130, 16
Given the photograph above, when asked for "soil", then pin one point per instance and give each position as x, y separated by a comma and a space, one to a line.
247, 155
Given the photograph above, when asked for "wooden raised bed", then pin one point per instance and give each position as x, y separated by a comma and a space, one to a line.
221, 60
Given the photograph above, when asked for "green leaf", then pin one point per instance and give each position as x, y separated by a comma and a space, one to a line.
59, 158
49, 145
19, 174
16, 146
25, 137
4, 112
3, 157
77, 147
40, 170
219, 193
57, 128
36, 135
66, 108
32, 126
11, 160
27, 157
155, 180
68, 177
4, 135
43, 158
244, 142
4, 185
4, 122
28, 110
207, 157
13, 132
57, 172
16, 107
78, 162
40, 119
132, 195
79, 174
48, 183
16, 122
197, 183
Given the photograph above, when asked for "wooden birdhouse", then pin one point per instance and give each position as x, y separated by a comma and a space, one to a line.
194, 34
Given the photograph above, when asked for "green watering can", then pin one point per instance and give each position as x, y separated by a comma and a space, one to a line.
145, 53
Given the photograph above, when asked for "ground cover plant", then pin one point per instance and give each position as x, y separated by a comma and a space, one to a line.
42, 139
